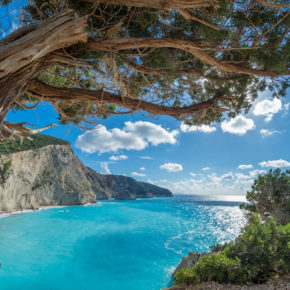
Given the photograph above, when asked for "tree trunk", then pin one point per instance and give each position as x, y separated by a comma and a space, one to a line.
161, 4
24, 53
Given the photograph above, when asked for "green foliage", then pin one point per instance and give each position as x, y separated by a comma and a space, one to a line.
38, 141
4, 2
7, 166
187, 277
270, 196
218, 247
218, 268
260, 252
249, 36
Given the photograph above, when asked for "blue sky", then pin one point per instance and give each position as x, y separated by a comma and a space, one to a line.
205, 160
221, 159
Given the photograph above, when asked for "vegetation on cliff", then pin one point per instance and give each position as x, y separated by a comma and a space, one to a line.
262, 250
34, 142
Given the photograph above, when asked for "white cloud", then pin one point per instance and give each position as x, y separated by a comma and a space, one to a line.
105, 168
245, 166
138, 174
239, 125
206, 168
145, 157
227, 176
119, 157
203, 128
134, 136
171, 167
242, 176
142, 168
285, 109
267, 133
215, 179
192, 174
257, 172
267, 108
275, 163
227, 184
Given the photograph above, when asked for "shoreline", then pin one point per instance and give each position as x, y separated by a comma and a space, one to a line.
4, 214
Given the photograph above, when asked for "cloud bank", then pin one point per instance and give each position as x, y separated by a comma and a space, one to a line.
275, 163
134, 136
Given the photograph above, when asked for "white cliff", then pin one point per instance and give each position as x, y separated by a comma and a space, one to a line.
52, 175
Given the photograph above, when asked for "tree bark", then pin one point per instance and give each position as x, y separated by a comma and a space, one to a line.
273, 5
24, 53
161, 4
186, 45
73, 95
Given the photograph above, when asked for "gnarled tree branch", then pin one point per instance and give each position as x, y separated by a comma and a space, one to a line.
74, 95
186, 45
161, 4
274, 5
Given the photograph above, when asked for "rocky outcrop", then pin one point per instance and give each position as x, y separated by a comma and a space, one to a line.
189, 261
125, 195
53, 175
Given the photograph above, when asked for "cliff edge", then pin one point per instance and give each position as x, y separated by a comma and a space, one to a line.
50, 175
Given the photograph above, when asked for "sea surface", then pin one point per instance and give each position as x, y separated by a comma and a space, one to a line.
124, 245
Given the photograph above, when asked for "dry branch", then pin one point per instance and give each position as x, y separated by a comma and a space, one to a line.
188, 16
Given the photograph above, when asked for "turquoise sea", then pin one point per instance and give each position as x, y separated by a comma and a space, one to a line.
124, 245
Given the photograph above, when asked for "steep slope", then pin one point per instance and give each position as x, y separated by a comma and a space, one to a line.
49, 175
122, 187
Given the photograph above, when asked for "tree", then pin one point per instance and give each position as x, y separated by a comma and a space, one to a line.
270, 196
194, 60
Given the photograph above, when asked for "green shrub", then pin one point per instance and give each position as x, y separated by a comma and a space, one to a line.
187, 277
219, 268
218, 247
6, 166
262, 249
260, 252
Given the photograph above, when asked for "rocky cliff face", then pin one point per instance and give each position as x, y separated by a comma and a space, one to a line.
53, 175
